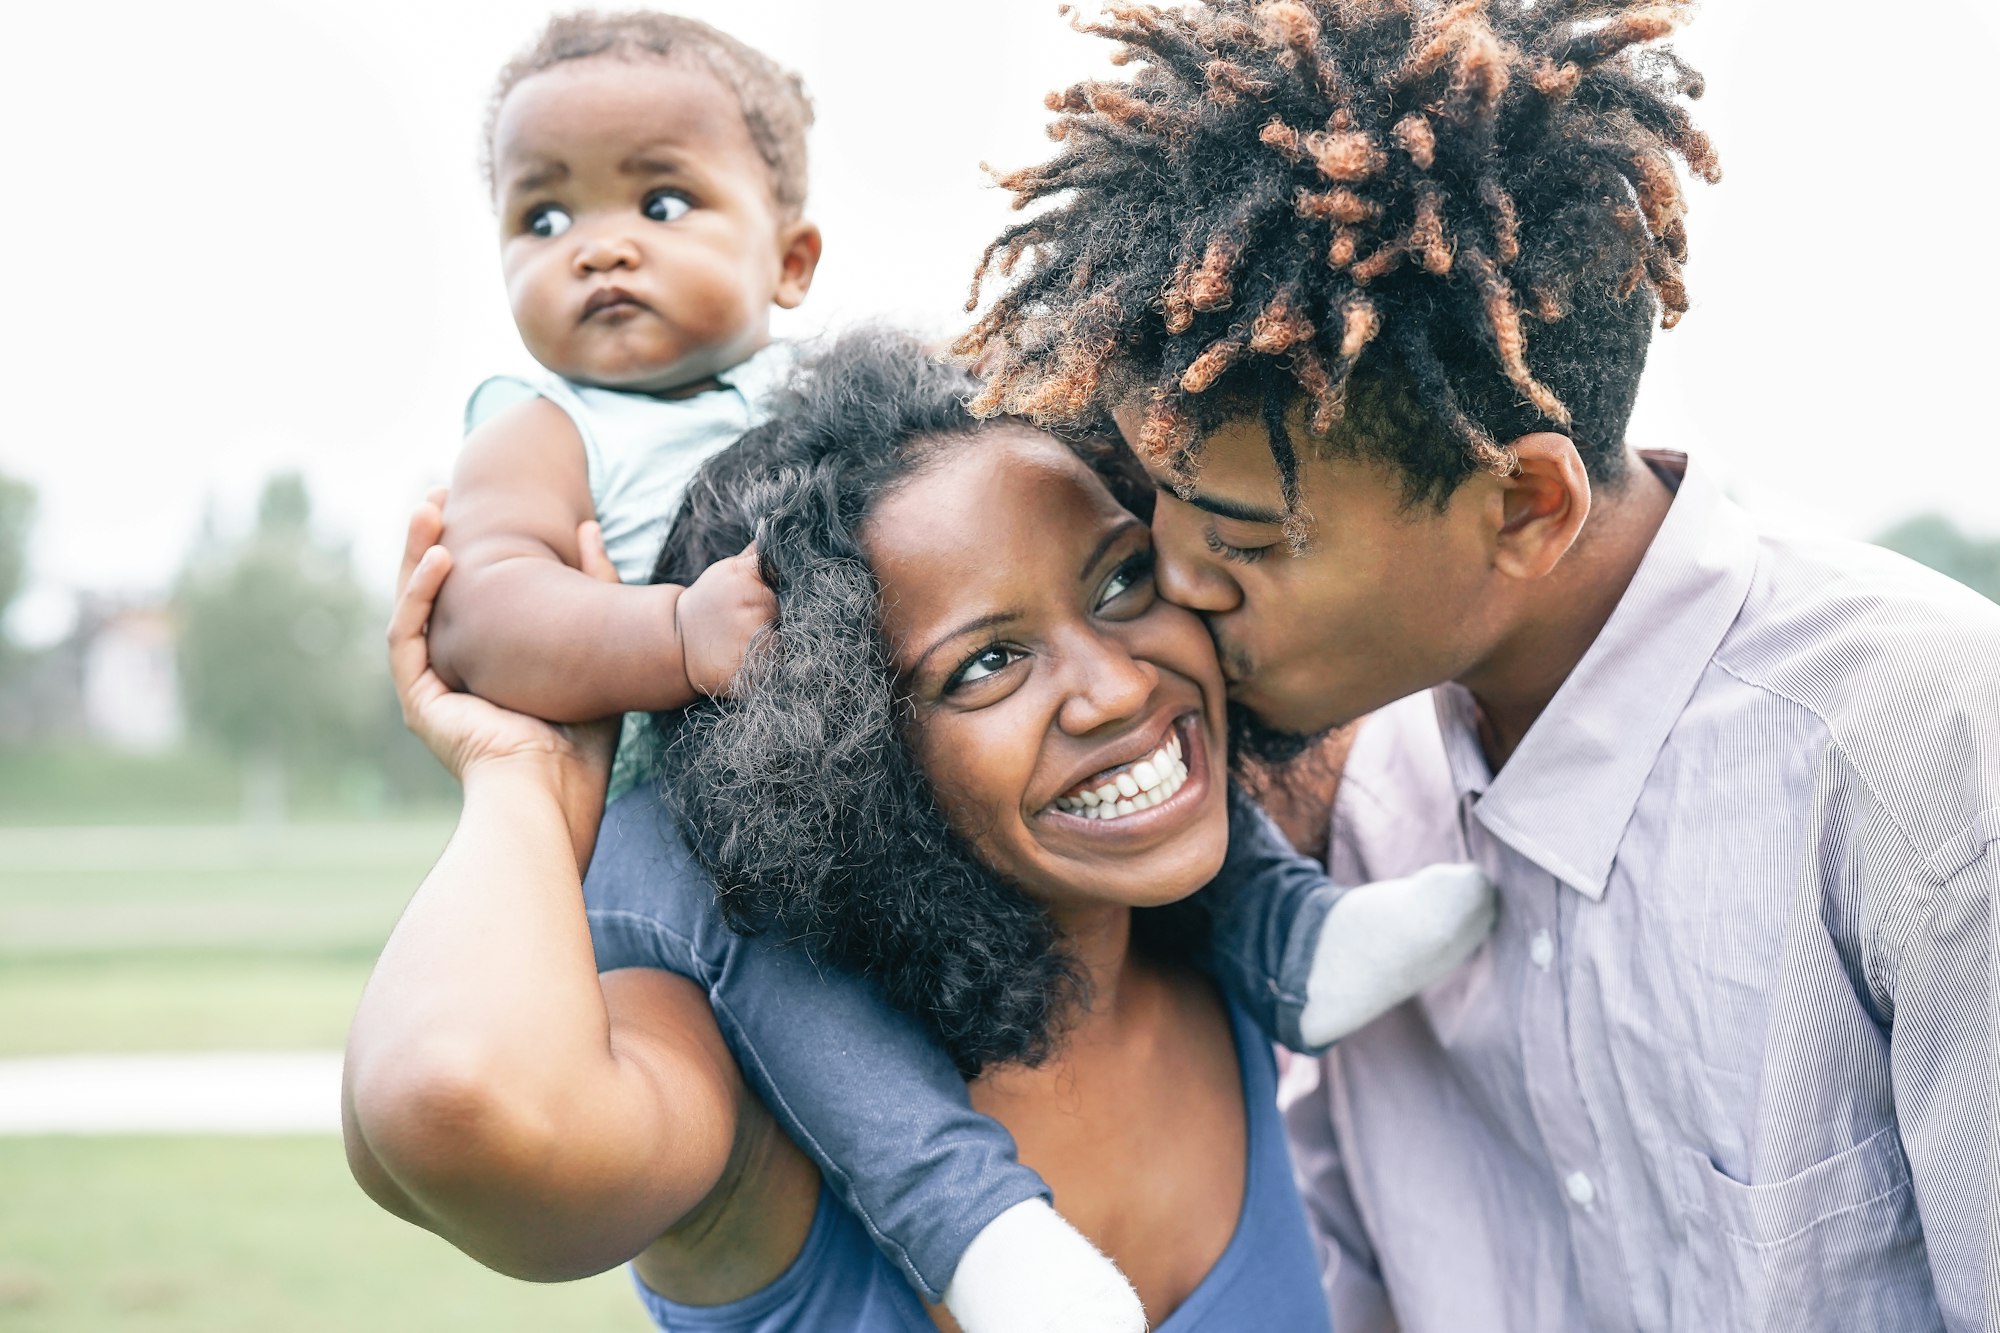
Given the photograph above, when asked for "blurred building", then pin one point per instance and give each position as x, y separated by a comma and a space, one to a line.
111, 681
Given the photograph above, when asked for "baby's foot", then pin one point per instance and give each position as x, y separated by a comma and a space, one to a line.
1384, 942
1030, 1271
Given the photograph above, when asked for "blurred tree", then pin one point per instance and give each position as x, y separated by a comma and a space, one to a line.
17, 515
1934, 540
278, 655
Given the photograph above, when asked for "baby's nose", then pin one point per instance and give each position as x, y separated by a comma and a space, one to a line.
598, 254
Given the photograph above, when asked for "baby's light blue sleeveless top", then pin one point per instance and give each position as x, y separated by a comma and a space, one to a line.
641, 451
1266, 1280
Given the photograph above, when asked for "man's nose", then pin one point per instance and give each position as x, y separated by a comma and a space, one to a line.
604, 253
1187, 573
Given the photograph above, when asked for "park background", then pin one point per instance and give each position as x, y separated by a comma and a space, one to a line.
250, 276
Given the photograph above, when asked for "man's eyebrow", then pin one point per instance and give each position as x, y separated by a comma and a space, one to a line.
1222, 508
543, 176
1105, 543
969, 627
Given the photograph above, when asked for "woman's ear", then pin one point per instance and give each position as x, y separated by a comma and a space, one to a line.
1543, 506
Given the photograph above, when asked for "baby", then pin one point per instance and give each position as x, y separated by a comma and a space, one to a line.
649, 173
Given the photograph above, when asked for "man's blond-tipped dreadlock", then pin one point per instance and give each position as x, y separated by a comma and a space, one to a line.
1451, 223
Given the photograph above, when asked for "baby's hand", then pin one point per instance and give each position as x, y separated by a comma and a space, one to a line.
716, 619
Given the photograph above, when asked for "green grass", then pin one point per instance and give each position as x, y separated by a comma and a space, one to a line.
196, 937
84, 785
142, 1235
177, 1002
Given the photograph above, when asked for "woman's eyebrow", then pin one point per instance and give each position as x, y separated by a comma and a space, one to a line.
1105, 543
984, 622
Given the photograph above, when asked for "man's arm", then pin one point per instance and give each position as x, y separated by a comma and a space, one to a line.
1946, 1070
519, 624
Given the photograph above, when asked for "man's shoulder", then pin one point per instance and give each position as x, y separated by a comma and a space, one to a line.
1899, 664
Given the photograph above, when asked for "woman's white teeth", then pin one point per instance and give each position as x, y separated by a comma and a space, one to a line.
1139, 786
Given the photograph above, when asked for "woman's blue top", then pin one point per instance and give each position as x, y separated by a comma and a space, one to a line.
1267, 1277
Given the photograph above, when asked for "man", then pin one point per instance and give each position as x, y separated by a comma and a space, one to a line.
1368, 288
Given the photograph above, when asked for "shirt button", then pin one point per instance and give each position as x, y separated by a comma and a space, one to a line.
1542, 950
1581, 1192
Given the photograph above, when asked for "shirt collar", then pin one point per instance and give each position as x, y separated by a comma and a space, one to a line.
1564, 797
758, 374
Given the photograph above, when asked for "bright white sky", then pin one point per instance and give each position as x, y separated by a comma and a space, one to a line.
250, 234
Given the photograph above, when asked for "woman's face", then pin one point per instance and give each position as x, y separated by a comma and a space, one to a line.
1070, 720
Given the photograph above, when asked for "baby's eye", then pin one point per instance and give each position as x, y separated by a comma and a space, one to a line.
547, 220
982, 664
665, 205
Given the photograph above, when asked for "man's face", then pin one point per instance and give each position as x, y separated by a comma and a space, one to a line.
1383, 600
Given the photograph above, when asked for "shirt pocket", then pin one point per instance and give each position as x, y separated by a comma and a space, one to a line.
1836, 1247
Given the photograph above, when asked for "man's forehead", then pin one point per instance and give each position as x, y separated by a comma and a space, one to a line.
1235, 474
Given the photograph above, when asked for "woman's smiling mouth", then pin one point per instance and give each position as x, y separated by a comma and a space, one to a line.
1130, 788
1138, 786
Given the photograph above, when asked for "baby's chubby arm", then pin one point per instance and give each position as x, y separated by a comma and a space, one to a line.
520, 625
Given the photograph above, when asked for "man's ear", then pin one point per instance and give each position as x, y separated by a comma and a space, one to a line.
798, 260
1543, 506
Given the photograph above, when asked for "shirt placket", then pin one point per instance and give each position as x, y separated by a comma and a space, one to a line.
1544, 911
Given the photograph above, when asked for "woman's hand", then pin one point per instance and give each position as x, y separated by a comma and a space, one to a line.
464, 731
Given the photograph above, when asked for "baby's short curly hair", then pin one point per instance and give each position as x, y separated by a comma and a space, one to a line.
773, 99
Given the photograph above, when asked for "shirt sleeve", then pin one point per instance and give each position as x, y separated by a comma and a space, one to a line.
1947, 1081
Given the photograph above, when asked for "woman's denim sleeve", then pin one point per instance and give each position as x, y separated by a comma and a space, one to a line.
862, 1088
1266, 909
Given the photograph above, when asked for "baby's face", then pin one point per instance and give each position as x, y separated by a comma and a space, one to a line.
641, 242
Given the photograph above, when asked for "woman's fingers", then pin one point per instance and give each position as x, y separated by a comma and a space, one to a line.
592, 558
409, 651
426, 527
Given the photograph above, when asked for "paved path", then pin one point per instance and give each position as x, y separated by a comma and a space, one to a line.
261, 1092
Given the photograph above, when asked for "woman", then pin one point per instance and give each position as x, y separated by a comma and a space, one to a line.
552, 1123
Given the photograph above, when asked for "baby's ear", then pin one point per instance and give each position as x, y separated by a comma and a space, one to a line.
798, 259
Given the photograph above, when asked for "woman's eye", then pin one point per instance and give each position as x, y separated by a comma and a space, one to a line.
1135, 574
665, 205
546, 220
1242, 555
982, 664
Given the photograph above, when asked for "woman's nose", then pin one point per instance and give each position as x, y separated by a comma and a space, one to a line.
603, 254
1108, 685
1186, 572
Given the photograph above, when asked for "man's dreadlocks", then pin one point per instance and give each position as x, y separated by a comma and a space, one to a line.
1357, 204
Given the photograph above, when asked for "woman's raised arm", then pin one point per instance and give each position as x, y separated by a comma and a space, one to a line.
496, 1092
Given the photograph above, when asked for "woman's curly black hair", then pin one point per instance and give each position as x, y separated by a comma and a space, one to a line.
799, 793
1361, 206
